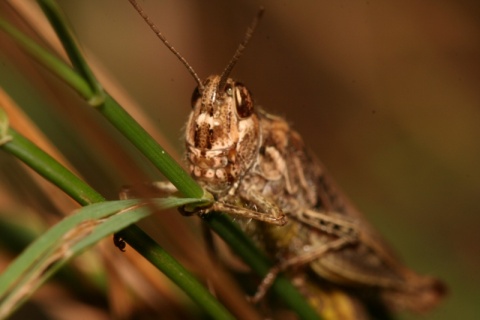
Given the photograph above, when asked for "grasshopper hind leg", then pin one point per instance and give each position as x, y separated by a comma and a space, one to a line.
300, 260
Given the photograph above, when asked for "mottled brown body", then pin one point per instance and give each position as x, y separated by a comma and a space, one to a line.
253, 160
259, 170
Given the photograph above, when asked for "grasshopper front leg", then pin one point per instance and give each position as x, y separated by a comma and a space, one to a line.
259, 208
277, 218
264, 211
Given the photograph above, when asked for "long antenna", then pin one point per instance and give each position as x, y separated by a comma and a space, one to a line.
240, 49
167, 44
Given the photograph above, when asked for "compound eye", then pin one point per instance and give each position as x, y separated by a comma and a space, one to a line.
244, 101
195, 96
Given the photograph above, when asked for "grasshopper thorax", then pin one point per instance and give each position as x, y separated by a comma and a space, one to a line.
222, 133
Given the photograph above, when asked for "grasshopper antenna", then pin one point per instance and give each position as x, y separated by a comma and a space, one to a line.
167, 44
241, 48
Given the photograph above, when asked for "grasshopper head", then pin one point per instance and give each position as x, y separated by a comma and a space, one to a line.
222, 133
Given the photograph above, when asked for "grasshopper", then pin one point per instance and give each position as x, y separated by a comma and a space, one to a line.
259, 170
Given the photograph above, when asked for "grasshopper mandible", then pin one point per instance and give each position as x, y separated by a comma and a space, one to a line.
259, 170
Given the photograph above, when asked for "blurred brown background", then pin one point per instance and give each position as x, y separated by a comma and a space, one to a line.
386, 94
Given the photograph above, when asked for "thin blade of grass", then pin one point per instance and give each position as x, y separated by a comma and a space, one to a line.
49, 61
64, 32
67, 239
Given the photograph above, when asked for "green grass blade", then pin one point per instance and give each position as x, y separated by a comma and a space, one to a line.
49, 61
69, 238
64, 32
49, 168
